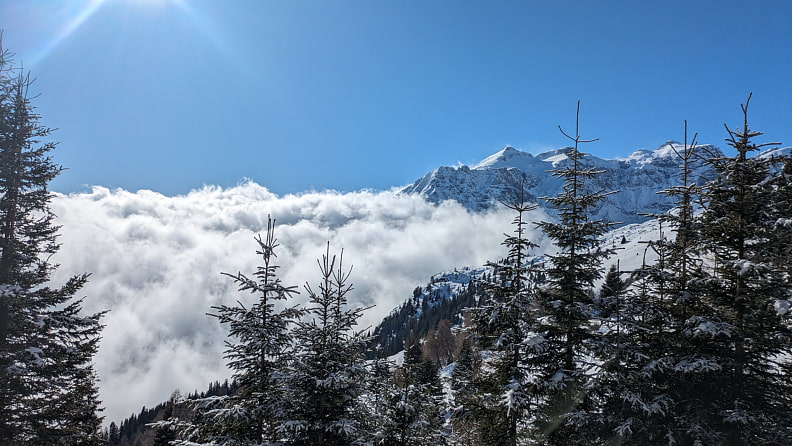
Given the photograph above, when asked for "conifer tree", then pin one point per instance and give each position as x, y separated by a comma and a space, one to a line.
560, 355
501, 404
780, 220
613, 285
257, 352
464, 415
612, 293
327, 374
413, 411
748, 400
647, 387
113, 435
48, 388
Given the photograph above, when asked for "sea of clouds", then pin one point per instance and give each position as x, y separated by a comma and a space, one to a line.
155, 264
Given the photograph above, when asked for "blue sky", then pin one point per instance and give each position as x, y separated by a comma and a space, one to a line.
170, 95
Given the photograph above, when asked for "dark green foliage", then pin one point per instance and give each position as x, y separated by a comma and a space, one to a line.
700, 352
327, 374
614, 285
560, 359
257, 353
779, 220
612, 293
165, 419
112, 434
48, 388
413, 410
691, 349
650, 369
751, 341
402, 324
501, 404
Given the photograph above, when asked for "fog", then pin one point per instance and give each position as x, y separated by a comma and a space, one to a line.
155, 264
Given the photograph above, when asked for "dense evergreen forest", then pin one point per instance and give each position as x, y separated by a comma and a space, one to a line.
693, 349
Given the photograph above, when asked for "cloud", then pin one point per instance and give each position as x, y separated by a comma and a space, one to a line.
156, 262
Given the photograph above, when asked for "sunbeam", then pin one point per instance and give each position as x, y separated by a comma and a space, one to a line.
76, 13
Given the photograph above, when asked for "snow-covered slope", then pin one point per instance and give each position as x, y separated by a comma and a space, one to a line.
499, 177
447, 294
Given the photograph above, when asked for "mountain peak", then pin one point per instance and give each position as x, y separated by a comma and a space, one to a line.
507, 157
511, 173
643, 156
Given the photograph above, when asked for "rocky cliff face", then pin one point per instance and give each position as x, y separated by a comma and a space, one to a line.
499, 178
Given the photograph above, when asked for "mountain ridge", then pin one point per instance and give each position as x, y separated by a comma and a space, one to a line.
504, 175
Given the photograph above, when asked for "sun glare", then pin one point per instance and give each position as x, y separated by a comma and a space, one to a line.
79, 13
72, 15
154, 3
69, 16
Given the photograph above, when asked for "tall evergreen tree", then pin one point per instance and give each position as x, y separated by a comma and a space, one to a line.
647, 386
257, 353
48, 388
749, 402
113, 434
560, 358
465, 416
779, 221
327, 374
501, 405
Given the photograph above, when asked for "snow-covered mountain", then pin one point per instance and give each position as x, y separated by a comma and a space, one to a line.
498, 178
638, 178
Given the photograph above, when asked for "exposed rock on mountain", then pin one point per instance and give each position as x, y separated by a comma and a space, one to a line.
500, 177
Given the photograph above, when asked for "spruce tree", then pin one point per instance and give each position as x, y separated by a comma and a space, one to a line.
465, 413
748, 401
48, 390
501, 404
112, 434
328, 374
647, 386
413, 413
257, 350
560, 357
779, 221
612, 293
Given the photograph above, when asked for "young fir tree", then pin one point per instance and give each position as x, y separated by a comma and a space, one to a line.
413, 410
646, 387
257, 353
611, 294
327, 374
501, 405
560, 357
113, 435
464, 416
749, 400
48, 388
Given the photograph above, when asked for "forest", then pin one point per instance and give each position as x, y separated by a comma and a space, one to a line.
692, 349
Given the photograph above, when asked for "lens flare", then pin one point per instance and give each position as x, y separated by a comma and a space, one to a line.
67, 17
77, 14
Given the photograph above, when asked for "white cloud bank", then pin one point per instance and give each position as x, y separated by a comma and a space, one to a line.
156, 261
